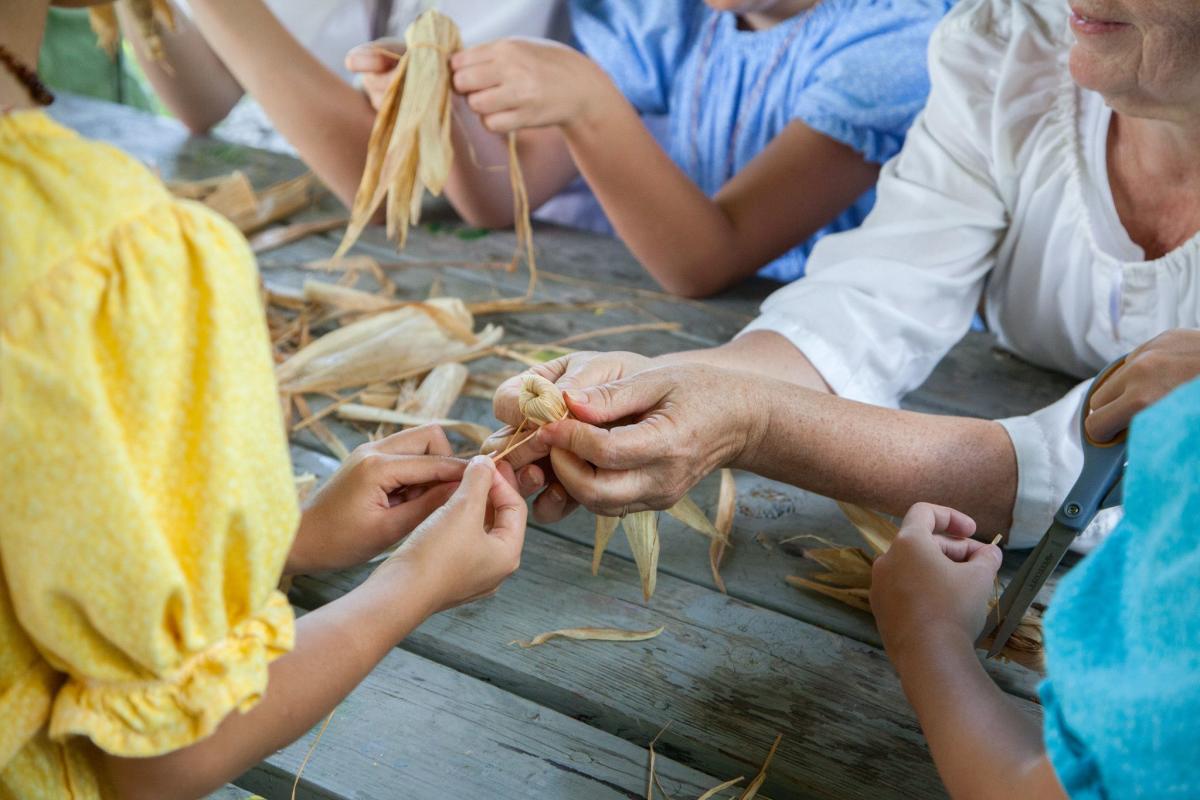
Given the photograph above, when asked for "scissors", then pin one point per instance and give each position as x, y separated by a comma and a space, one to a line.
1099, 486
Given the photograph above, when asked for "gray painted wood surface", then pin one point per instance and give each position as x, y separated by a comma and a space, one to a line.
729, 672
415, 729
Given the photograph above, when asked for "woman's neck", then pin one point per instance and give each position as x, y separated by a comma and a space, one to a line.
776, 13
21, 35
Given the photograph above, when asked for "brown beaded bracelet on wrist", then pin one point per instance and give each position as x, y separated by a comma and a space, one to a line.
27, 78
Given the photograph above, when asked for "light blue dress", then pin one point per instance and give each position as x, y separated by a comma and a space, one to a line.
1122, 700
853, 70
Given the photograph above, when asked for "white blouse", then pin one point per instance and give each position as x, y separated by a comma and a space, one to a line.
1001, 193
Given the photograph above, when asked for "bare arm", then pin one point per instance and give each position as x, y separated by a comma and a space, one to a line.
193, 83
326, 119
691, 244
798, 184
930, 595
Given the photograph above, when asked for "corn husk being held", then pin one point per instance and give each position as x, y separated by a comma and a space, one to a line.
847, 579
409, 151
385, 347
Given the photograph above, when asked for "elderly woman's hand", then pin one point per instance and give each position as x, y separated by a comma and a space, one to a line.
1149, 373
934, 582
671, 426
576, 371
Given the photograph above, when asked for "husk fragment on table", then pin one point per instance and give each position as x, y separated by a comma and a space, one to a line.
363, 413
385, 347
847, 579
437, 393
591, 634
233, 197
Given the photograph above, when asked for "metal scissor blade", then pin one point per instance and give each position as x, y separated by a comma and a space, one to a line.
1019, 595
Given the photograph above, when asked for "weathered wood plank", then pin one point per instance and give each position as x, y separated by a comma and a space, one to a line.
232, 793
416, 729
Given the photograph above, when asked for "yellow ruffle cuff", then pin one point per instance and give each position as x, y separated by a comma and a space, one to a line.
148, 718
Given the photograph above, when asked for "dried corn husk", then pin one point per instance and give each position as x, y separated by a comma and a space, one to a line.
592, 634
848, 580
756, 784
540, 401
305, 483
151, 16
641, 529
386, 347
723, 520
605, 528
720, 787
438, 393
687, 512
409, 151
363, 413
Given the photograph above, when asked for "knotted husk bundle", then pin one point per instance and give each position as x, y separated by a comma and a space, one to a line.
541, 402
409, 151
388, 346
152, 16
848, 580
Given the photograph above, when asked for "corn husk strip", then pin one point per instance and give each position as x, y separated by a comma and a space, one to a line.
687, 512
605, 528
107, 28
848, 566
438, 393
720, 787
877, 530
305, 483
323, 434
855, 598
591, 634
756, 784
230, 195
641, 529
271, 238
282, 200
345, 299
361, 413
723, 520
385, 347
651, 778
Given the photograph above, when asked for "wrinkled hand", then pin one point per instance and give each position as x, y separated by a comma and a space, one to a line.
933, 582
380, 494
472, 543
375, 63
672, 425
1149, 373
526, 83
574, 372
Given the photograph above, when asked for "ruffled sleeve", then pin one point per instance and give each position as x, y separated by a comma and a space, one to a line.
640, 45
147, 505
869, 78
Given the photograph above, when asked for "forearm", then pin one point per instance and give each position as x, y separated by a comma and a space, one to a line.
192, 82
682, 238
882, 458
336, 647
983, 745
326, 119
762, 353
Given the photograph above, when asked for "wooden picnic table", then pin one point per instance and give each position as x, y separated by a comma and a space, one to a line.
456, 711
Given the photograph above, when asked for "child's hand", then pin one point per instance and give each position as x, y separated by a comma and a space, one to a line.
1150, 372
375, 63
466, 548
523, 83
383, 491
934, 582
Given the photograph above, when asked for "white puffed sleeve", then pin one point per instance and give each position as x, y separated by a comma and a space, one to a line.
881, 305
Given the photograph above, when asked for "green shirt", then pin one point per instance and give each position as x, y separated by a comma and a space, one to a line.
72, 61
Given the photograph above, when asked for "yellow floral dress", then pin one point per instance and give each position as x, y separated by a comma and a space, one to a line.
146, 500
